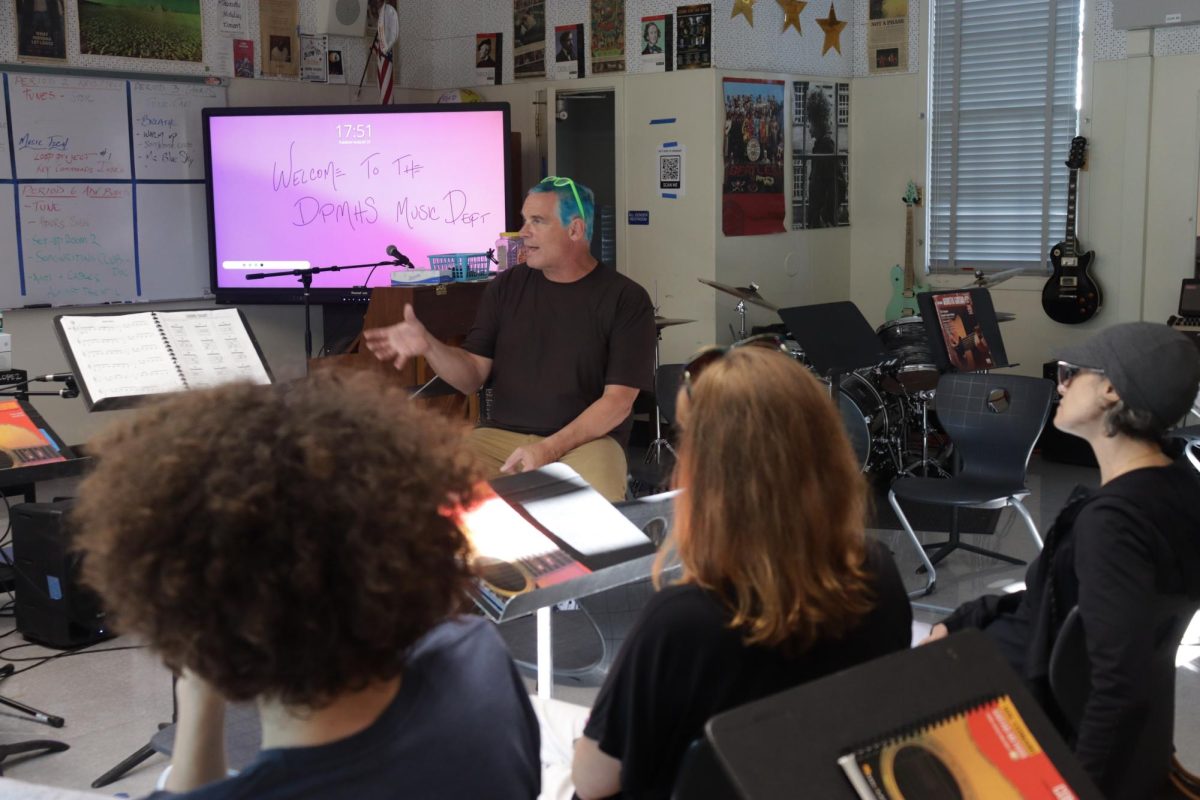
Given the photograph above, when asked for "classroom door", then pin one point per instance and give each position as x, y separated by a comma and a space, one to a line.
585, 150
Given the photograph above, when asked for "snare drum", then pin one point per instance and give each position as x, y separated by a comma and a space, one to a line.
905, 341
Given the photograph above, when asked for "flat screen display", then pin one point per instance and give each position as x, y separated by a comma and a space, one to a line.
290, 188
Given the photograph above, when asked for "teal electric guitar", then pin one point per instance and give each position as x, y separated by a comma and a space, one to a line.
904, 279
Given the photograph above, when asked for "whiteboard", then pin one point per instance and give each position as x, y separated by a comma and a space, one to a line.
95, 205
168, 215
168, 137
77, 243
64, 127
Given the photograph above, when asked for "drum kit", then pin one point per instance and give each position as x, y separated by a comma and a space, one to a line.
885, 408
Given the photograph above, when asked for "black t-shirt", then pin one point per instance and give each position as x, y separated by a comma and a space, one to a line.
460, 726
682, 664
555, 346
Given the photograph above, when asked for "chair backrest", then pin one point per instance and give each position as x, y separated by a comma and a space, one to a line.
667, 381
994, 420
1070, 679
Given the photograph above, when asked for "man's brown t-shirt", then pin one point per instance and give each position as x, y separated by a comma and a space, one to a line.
555, 346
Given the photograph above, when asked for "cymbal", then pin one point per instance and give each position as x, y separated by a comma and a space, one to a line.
985, 281
666, 322
748, 293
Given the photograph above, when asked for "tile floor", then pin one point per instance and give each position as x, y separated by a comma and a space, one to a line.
112, 701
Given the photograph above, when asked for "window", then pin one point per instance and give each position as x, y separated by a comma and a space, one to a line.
1003, 109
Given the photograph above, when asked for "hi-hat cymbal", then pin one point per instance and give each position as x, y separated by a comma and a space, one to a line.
985, 281
666, 322
748, 293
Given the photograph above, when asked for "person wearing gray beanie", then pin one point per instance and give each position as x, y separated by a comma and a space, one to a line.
1127, 554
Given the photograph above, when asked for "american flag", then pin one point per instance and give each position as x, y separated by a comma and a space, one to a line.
385, 38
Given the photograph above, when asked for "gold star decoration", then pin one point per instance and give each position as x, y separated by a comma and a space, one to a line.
745, 8
833, 31
791, 14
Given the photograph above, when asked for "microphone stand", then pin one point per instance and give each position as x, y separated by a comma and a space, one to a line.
306, 275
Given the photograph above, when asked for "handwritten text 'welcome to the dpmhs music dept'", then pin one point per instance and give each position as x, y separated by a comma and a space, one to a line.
381, 173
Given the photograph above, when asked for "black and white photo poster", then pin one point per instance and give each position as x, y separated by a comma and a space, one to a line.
820, 155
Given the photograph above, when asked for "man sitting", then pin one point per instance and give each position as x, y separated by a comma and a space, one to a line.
566, 341
290, 545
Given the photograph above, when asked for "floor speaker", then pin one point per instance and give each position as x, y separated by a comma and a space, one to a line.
52, 609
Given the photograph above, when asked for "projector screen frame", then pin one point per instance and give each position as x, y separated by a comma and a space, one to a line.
275, 295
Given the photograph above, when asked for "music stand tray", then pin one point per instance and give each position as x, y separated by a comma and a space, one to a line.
836, 337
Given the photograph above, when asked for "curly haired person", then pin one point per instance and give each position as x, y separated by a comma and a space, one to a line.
290, 545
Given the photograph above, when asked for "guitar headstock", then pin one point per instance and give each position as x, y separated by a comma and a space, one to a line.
1077, 157
912, 195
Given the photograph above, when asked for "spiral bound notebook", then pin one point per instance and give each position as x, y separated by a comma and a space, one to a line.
984, 750
120, 359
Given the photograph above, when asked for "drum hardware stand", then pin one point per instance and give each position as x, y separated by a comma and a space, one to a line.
654, 451
922, 399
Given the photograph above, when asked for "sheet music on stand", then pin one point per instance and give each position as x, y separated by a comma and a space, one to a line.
121, 359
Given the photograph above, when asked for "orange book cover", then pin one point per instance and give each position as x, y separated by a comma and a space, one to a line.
986, 753
22, 443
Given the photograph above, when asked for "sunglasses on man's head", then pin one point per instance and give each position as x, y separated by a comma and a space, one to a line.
554, 180
710, 355
1067, 372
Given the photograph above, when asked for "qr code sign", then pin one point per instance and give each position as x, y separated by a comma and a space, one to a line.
670, 171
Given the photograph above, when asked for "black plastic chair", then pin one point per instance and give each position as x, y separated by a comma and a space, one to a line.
701, 777
994, 422
1070, 681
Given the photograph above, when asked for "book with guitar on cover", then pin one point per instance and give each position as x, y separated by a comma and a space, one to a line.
964, 323
121, 359
983, 751
544, 536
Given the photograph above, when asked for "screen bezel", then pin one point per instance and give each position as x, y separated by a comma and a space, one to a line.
325, 295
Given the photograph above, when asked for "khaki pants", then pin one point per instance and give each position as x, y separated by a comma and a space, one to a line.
600, 462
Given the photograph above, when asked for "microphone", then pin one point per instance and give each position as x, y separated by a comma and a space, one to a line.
57, 377
400, 257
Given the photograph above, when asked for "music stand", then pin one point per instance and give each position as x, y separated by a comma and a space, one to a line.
836, 338
963, 330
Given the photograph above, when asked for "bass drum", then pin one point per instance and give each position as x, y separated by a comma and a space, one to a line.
864, 416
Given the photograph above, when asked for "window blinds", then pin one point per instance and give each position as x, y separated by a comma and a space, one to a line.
1002, 114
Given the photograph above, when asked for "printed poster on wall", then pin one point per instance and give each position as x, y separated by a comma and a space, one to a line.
693, 42
277, 34
41, 34
529, 38
314, 58
820, 155
657, 33
568, 51
887, 36
608, 36
488, 57
337, 67
752, 192
243, 58
233, 20
671, 158
167, 30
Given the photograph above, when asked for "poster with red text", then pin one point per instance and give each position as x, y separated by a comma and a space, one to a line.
752, 191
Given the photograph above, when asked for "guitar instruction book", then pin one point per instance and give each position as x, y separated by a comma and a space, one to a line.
986, 750
24, 440
122, 359
965, 322
544, 536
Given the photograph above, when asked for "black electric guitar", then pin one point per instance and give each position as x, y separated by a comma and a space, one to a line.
1072, 296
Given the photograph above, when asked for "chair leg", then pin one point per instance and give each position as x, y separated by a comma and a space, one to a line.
1024, 512
930, 573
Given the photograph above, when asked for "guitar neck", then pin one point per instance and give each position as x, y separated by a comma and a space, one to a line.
910, 277
1070, 238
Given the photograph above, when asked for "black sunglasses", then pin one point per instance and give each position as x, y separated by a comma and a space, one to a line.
710, 355
1067, 372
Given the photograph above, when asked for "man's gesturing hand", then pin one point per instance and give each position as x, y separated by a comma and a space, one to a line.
400, 342
528, 457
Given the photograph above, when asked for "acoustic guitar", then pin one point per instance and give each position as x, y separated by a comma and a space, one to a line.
1072, 296
904, 279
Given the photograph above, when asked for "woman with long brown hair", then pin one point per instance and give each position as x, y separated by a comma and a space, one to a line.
779, 583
